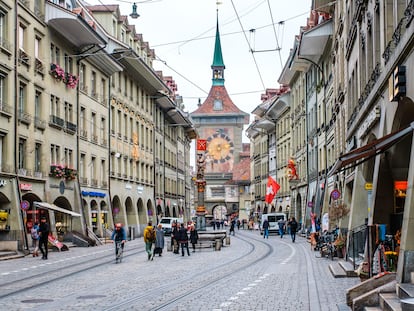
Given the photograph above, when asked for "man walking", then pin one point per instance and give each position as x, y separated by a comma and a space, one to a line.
282, 224
293, 225
43, 236
149, 238
265, 227
183, 239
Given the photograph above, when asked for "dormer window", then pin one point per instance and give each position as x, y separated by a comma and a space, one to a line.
218, 104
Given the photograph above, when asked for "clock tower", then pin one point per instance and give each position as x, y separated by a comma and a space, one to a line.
220, 122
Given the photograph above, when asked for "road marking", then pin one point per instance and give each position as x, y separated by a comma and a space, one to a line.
292, 254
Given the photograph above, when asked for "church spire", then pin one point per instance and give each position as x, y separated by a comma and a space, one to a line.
218, 64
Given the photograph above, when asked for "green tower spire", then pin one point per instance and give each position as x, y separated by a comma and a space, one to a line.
218, 64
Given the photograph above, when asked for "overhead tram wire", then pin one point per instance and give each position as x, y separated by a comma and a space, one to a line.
250, 48
274, 31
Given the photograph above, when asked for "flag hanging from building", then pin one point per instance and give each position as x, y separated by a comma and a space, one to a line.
271, 189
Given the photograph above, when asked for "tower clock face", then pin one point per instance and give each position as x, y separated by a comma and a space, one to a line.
220, 147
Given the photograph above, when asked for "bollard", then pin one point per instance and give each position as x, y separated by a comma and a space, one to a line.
228, 240
218, 245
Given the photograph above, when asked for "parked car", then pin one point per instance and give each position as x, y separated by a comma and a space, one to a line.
167, 222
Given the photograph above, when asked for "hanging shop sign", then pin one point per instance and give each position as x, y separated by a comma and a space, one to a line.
368, 186
26, 187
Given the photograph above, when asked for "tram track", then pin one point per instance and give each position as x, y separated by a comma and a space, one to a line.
204, 280
33, 280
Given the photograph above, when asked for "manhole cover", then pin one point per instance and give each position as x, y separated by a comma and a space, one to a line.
37, 300
91, 296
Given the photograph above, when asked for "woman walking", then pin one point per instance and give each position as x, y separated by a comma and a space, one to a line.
159, 240
193, 237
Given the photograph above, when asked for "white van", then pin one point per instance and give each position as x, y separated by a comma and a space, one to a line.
273, 219
166, 223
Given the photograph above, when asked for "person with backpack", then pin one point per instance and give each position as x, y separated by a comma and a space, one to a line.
293, 225
149, 238
35, 238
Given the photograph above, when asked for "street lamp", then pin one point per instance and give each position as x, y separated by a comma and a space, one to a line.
134, 13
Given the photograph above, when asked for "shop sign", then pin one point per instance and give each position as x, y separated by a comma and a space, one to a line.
140, 189
369, 122
368, 186
93, 194
3, 182
310, 204
26, 187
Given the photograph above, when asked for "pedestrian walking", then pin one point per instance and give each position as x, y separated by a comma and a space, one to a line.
265, 227
282, 226
149, 238
159, 240
174, 238
232, 225
183, 239
238, 224
293, 225
34, 232
193, 237
44, 230
213, 223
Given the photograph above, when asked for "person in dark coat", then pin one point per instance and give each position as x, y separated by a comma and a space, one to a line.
193, 237
44, 230
159, 240
232, 225
293, 225
265, 227
174, 238
183, 239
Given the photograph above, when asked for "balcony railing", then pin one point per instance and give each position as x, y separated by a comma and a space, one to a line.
71, 127
56, 122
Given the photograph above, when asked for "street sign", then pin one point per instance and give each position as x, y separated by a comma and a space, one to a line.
335, 194
24, 205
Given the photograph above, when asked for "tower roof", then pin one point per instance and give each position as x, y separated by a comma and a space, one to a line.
218, 55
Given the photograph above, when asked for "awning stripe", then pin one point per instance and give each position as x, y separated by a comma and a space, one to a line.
370, 150
55, 208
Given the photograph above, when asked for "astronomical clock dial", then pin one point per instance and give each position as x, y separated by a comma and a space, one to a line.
220, 148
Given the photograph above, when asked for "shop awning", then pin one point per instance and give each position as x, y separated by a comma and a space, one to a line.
360, 155
55, 208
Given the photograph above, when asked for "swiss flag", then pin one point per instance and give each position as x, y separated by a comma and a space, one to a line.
271, 189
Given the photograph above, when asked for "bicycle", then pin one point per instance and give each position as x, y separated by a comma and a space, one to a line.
119, 251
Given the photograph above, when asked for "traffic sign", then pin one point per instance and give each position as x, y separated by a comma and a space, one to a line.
24, 205
335, 194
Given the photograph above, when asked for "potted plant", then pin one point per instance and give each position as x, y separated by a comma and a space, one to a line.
340, 244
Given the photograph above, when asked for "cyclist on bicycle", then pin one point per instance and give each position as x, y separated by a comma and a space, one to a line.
119, 235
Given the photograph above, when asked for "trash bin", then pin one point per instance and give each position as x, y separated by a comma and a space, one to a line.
131, 233
218, 245
227, 240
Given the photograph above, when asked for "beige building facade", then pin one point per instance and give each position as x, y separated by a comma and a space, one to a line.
90, 134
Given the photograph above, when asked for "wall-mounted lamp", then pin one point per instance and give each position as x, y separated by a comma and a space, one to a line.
134, 13
117, 155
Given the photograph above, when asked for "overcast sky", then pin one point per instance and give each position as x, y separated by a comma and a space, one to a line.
182, 32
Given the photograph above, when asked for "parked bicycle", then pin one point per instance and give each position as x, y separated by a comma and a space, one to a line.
325, 244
